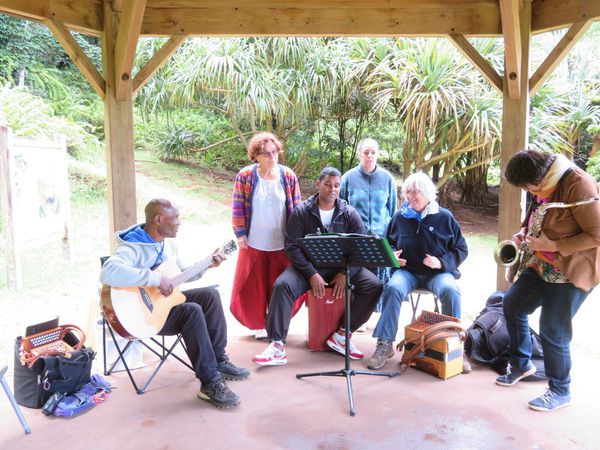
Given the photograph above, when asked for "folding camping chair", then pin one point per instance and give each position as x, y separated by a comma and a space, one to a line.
415, 302
156, 345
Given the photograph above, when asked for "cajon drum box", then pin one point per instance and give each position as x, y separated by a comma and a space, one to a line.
324, 315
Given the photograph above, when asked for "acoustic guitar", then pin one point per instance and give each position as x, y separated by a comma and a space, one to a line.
140, 312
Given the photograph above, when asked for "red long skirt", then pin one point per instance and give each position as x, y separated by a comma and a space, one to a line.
255, 274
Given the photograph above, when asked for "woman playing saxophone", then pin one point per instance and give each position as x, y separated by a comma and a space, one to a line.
559, 266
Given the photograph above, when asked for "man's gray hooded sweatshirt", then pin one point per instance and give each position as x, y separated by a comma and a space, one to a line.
134, 257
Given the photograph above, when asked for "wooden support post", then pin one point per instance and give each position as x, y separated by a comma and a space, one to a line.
118, 126
14, 273
515, 123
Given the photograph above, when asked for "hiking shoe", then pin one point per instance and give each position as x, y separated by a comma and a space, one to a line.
466, 365
260, 335
230, 371
549, 401
218, 393
383, 351
337, 342
511, 377
272, 356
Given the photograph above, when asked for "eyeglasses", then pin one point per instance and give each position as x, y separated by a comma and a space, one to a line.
273, 154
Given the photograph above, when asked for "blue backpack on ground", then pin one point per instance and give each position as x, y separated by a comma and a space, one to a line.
85, 398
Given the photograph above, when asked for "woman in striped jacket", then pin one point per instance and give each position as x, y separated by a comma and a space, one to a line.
264, 195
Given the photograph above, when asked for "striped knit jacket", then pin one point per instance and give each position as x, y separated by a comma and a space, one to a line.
243, 190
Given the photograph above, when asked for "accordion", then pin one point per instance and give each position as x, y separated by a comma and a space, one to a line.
56, 341
434, 343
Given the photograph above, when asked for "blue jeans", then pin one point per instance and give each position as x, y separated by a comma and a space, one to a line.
403, 283
559, 303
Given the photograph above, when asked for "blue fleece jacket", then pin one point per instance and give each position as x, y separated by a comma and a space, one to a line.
373, 195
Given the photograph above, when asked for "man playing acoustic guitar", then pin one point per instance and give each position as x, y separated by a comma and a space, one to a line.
197, 314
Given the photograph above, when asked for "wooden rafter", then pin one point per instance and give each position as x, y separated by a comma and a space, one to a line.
127, 37
554, 14
308, 17
511, 29
117, 5
76, 53
557, 54
480, 63
155, 63
322, 18
83, 15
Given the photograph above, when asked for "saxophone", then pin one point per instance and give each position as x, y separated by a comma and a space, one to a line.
518, 260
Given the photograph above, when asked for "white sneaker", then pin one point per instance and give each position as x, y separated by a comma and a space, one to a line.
338, 343
272, 356
361, 329
260, 335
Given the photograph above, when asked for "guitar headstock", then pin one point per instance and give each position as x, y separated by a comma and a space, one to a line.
229, 247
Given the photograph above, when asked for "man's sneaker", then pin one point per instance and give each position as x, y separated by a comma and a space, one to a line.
230, 371
550, 401
260, 335
218, 393
361, 329
338, 343
512, 376
272, 356
383, 351
466, 365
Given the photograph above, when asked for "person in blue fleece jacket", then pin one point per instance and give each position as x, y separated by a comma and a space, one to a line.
371, 190
429, 246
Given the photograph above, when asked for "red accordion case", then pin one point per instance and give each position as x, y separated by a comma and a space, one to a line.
324, 315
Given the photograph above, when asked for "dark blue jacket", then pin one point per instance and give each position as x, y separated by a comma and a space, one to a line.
437, 234
306, 219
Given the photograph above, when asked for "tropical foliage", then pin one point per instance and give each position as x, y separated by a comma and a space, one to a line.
428, 108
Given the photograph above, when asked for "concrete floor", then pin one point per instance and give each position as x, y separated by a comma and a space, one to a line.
278, 411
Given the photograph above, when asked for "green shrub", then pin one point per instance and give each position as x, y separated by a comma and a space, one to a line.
30, 116
593, 166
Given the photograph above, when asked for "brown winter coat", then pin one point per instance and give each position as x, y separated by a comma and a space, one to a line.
576, 230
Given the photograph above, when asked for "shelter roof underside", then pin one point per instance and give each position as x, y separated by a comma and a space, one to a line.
308, 17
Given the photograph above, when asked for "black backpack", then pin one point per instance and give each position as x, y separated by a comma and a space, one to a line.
487, 339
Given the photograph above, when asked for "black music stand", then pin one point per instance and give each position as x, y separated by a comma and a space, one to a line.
343, 251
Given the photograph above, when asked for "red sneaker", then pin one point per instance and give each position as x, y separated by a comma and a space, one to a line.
337, 342
272, 356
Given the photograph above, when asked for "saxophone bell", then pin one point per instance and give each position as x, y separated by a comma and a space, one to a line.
506, 255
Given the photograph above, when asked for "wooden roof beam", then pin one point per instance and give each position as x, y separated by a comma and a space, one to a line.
117, 5
511, 29
480, 63
322, 18
83, 15
557, 55
157, 61
128, 34
551, 15
76, 53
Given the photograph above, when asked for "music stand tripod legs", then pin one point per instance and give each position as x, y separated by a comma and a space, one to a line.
347, 372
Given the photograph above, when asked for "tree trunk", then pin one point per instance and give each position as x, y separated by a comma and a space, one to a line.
475, 187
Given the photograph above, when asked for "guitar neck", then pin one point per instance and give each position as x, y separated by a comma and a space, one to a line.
192, 271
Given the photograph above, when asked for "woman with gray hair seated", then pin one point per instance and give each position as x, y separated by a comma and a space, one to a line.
429, 246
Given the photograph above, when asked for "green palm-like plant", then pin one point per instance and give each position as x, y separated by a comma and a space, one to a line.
424, 82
